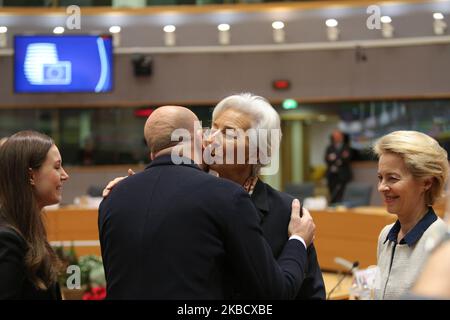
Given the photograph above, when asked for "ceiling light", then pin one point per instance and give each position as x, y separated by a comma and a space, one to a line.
169, 35
223, 27
331, 23
224, 33
277, 25
387, 29
332, 29
386, 19
115, 29
58, 30
438, 16
169, 28
439, 25
278, 31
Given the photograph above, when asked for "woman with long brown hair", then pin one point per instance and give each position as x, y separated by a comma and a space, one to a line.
31, 177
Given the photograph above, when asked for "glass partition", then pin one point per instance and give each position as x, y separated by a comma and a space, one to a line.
114, 135
94, 136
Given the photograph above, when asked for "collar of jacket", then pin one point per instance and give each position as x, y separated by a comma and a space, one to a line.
260, 198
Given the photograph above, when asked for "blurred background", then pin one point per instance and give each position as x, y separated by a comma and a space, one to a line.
322, 64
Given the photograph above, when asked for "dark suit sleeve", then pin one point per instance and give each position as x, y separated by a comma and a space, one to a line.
12, 272
328, 151
260, 275
313, 287
102, 220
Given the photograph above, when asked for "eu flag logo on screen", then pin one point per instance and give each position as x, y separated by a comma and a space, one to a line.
63, 63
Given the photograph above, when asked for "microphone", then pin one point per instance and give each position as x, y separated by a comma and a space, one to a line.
346, 264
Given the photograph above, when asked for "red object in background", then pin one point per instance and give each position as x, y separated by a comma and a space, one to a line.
97, 293
143, 112
281, 84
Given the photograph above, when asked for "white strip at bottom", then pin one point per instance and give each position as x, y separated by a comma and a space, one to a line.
76, 243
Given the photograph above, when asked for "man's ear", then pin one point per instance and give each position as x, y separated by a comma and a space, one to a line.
152, 156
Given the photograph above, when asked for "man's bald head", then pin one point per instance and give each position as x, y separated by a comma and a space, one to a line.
163, 121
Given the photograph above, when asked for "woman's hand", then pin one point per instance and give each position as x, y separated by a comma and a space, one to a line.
114, 182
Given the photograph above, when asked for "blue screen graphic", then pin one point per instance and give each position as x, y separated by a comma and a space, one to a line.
79, 63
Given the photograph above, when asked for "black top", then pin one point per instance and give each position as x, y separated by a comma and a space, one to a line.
274, 209
14, 283
340, 166
174, 232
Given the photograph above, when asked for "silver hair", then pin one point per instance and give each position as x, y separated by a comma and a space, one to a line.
262, 116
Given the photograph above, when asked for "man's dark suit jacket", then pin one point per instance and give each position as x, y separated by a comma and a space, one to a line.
14, 282
274, 209
174, 231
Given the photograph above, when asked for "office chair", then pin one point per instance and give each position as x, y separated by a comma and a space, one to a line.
95, 191
357, 194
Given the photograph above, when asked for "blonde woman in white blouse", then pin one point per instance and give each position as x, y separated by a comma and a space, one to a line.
412, 171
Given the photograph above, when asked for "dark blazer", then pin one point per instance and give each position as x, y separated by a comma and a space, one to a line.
340, 167
274, 208
14, 283
174, 231
339, 171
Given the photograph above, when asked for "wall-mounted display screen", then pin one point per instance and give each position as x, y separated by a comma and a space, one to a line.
54, 63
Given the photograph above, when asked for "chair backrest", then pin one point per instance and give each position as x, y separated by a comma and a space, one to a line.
300, 190
357, 194
95, 191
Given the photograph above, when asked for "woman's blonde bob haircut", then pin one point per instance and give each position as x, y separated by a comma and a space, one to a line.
423, 157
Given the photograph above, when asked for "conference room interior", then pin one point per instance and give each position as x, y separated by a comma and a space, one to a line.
323, 65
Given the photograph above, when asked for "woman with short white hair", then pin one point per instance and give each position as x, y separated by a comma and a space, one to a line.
247, 112
412, 171
255, 116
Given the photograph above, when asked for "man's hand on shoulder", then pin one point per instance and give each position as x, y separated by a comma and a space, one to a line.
304, 226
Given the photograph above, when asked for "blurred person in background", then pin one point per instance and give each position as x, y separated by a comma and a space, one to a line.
31, 177
338, 156
87, 153
412, 171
